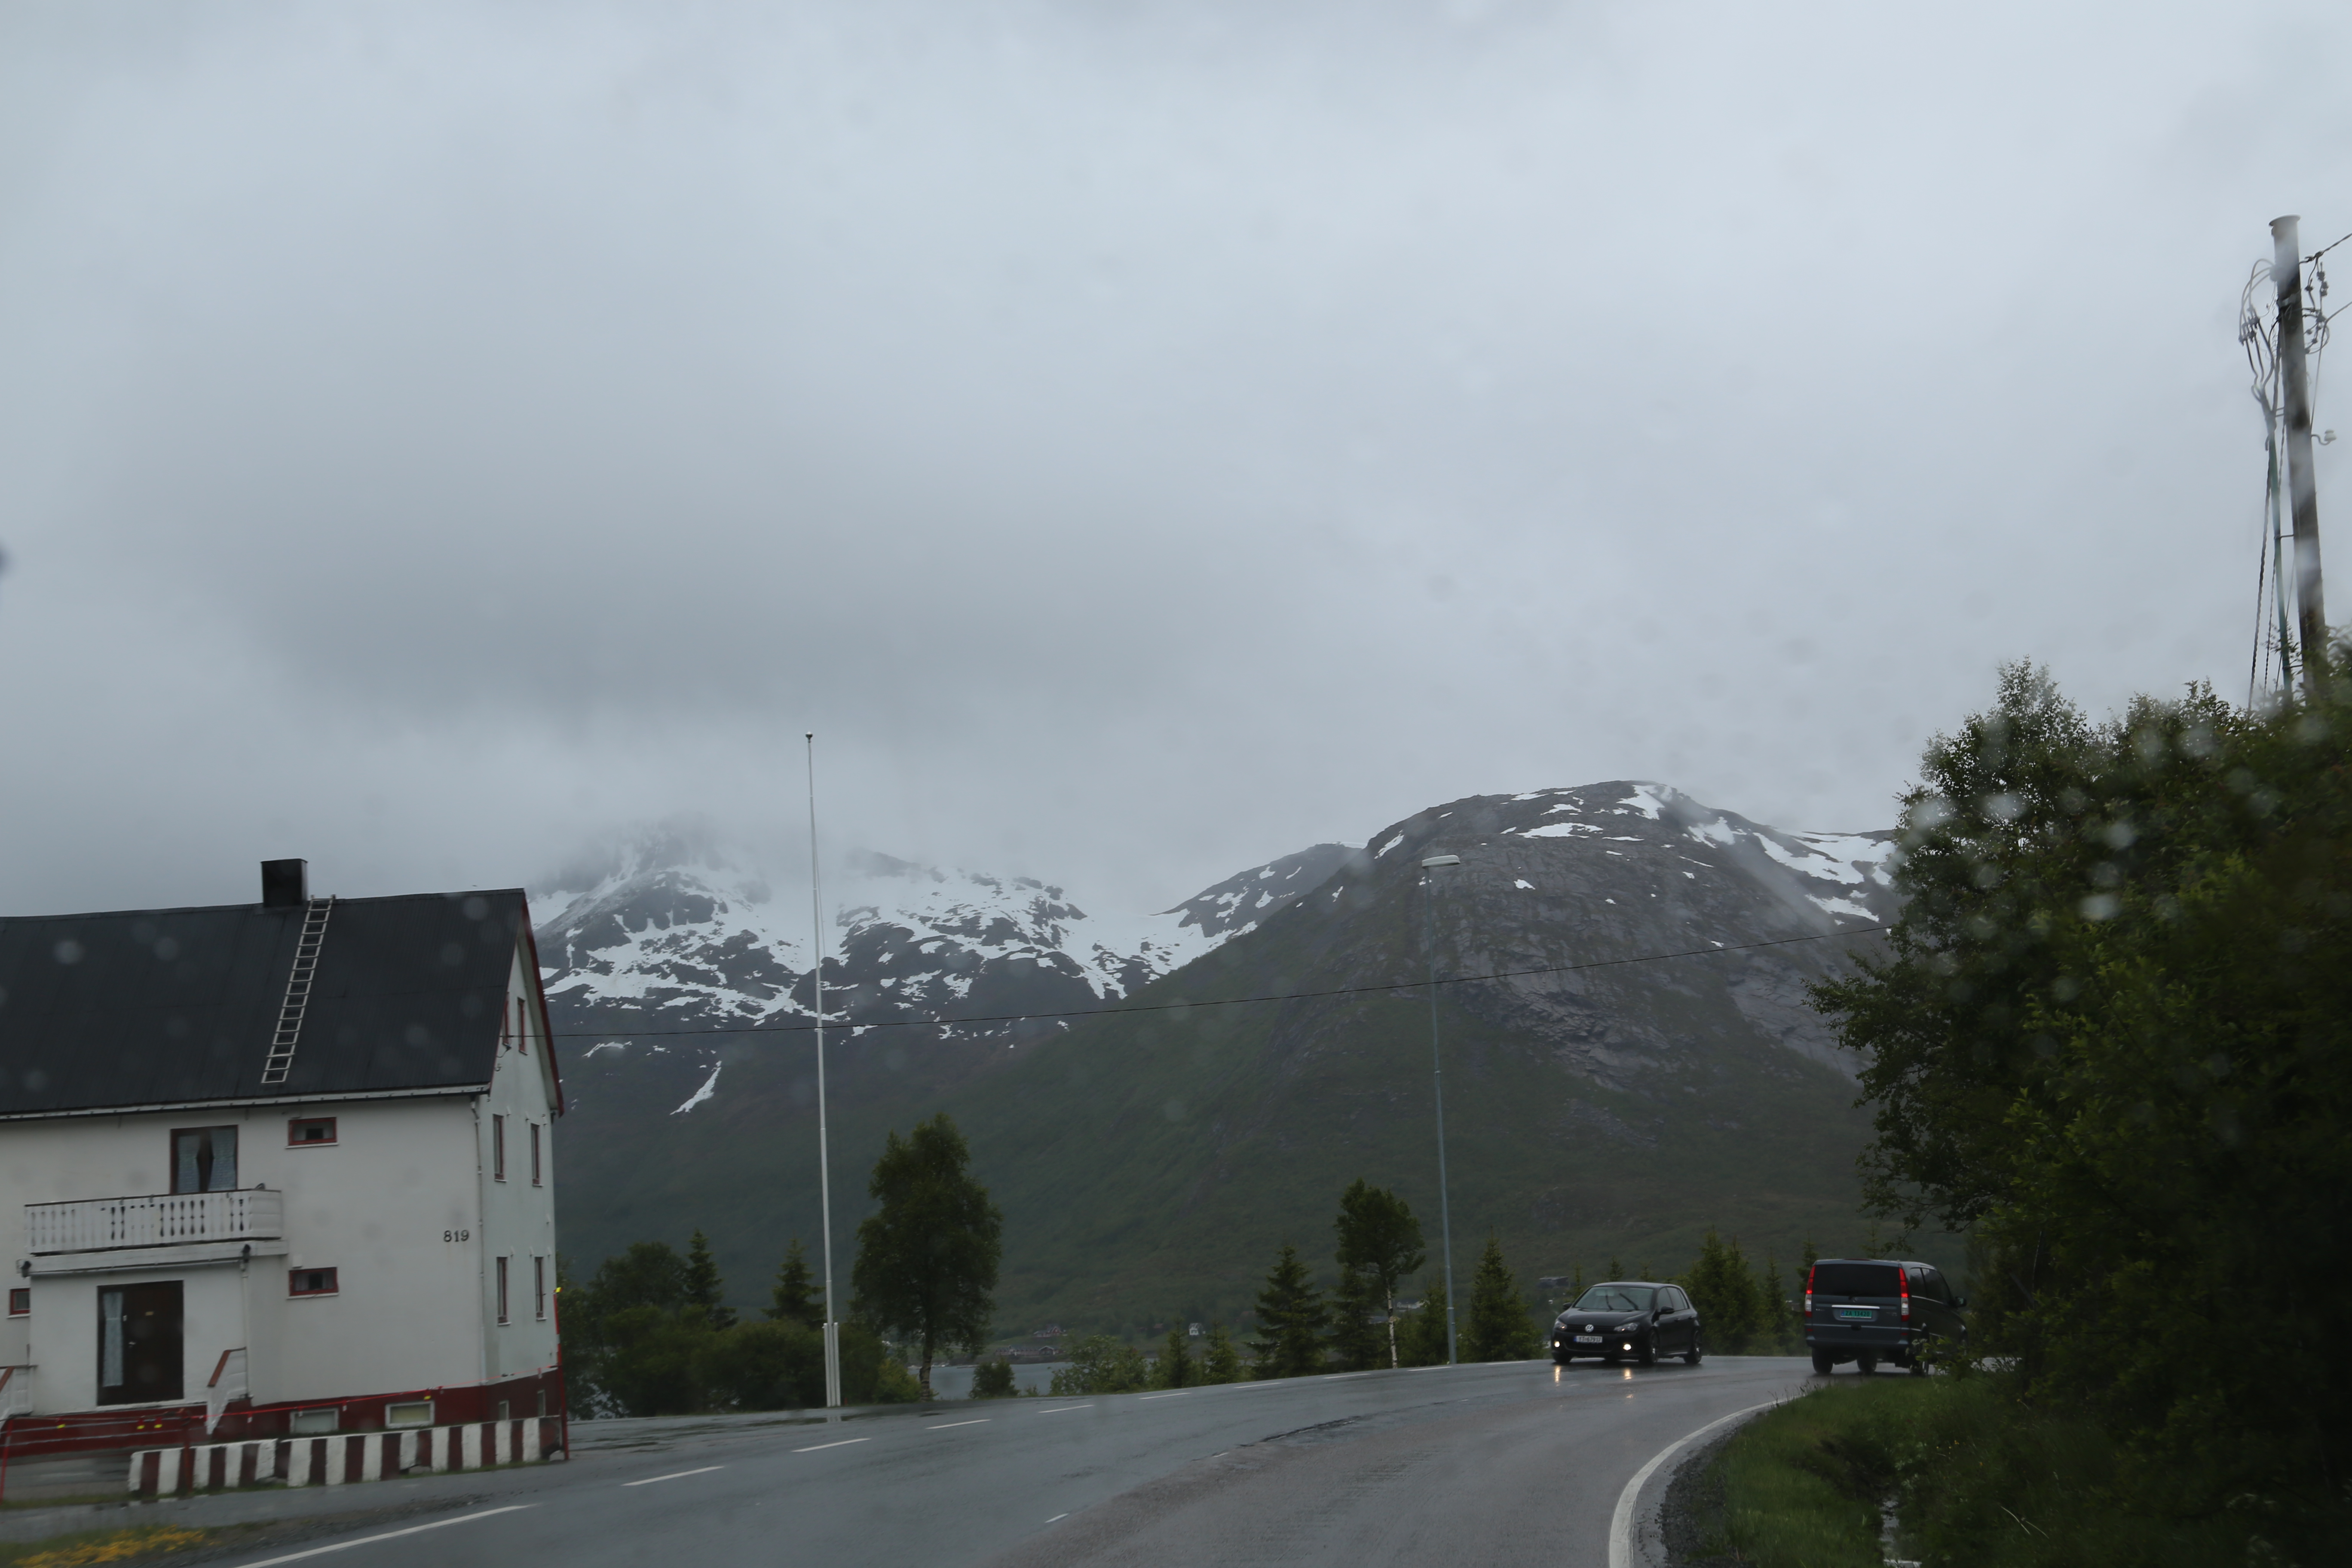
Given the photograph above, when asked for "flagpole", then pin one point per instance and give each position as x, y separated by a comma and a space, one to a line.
824, 1157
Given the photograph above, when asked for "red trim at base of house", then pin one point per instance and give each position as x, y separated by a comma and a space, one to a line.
93, 1431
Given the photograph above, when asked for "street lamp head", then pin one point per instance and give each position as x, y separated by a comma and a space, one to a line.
1436, 860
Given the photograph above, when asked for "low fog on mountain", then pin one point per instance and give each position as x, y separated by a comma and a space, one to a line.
1143, 442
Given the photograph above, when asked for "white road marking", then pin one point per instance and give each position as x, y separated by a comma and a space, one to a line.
389, 1534
975, 1421
1088, 1405
1171, 1394
1058, 1519
674, 1476
845, 1443
1621, 1523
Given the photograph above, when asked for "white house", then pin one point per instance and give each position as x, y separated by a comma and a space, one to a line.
276, 1169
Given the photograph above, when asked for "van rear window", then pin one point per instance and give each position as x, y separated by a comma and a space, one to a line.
1857, 1279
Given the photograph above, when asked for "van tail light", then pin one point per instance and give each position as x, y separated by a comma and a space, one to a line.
1906, 1295
1809, 1289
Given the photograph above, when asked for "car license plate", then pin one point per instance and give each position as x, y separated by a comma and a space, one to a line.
1858, 1314
1588, 1339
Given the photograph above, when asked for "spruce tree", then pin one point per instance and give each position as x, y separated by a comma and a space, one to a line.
1175, 1368
1290, 1316
705, 1293
795, 1297
1778, 1330
1498, 1328
1727, 1296
1220, 1362
1420, 1338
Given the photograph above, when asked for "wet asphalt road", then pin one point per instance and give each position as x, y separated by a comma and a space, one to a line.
1508, 1463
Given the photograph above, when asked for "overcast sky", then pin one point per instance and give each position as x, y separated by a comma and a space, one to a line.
1141, 439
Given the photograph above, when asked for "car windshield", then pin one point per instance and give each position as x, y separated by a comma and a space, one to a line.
1616, 1299
1856, 1279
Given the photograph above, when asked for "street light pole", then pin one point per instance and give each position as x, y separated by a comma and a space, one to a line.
1429, 869
824, 1157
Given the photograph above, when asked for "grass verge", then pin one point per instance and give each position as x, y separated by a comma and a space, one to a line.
95, 1546
1978, 1480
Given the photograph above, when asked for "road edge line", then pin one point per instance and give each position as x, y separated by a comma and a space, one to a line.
390, 1534
1620, 1523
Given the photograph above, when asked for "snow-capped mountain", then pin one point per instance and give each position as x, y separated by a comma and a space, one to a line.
1630, 1051
672, 931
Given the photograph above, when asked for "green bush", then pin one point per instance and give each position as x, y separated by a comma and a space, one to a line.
1101, 1365
893, 1384
770, 1364
1978, 1480
2112, 1037
654, 1360
992, 1379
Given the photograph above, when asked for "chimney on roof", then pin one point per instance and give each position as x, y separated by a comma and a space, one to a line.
284, 884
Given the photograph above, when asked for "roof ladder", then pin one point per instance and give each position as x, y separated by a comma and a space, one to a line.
297, 991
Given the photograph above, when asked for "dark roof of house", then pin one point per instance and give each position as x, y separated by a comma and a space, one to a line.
173, 1007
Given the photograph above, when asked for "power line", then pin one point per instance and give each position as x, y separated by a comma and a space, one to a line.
2325, 249
1216, 1002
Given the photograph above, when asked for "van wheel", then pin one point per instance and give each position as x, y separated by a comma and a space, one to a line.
1822, 1364
1690, 1356
1866, 1364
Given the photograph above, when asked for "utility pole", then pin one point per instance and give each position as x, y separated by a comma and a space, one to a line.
2303, 493
824, 1156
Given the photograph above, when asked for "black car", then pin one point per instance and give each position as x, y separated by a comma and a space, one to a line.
1869, 1309
1639, 1319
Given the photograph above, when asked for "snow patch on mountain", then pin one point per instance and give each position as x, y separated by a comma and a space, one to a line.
671, 931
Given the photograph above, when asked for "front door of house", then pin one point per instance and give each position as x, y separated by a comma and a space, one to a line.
138, 1343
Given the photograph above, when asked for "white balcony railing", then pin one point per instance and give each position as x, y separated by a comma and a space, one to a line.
174, 1219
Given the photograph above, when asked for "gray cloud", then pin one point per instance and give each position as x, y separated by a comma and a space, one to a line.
1142, 440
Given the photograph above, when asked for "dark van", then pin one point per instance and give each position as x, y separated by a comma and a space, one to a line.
1869, 1309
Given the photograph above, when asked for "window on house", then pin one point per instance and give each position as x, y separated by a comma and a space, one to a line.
311, 1282
308, 1130
20, 1300
534, 1153
498, 1148
539, 1288
203, 1160
502, 1290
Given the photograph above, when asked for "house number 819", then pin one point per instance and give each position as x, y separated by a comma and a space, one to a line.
456, 1236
